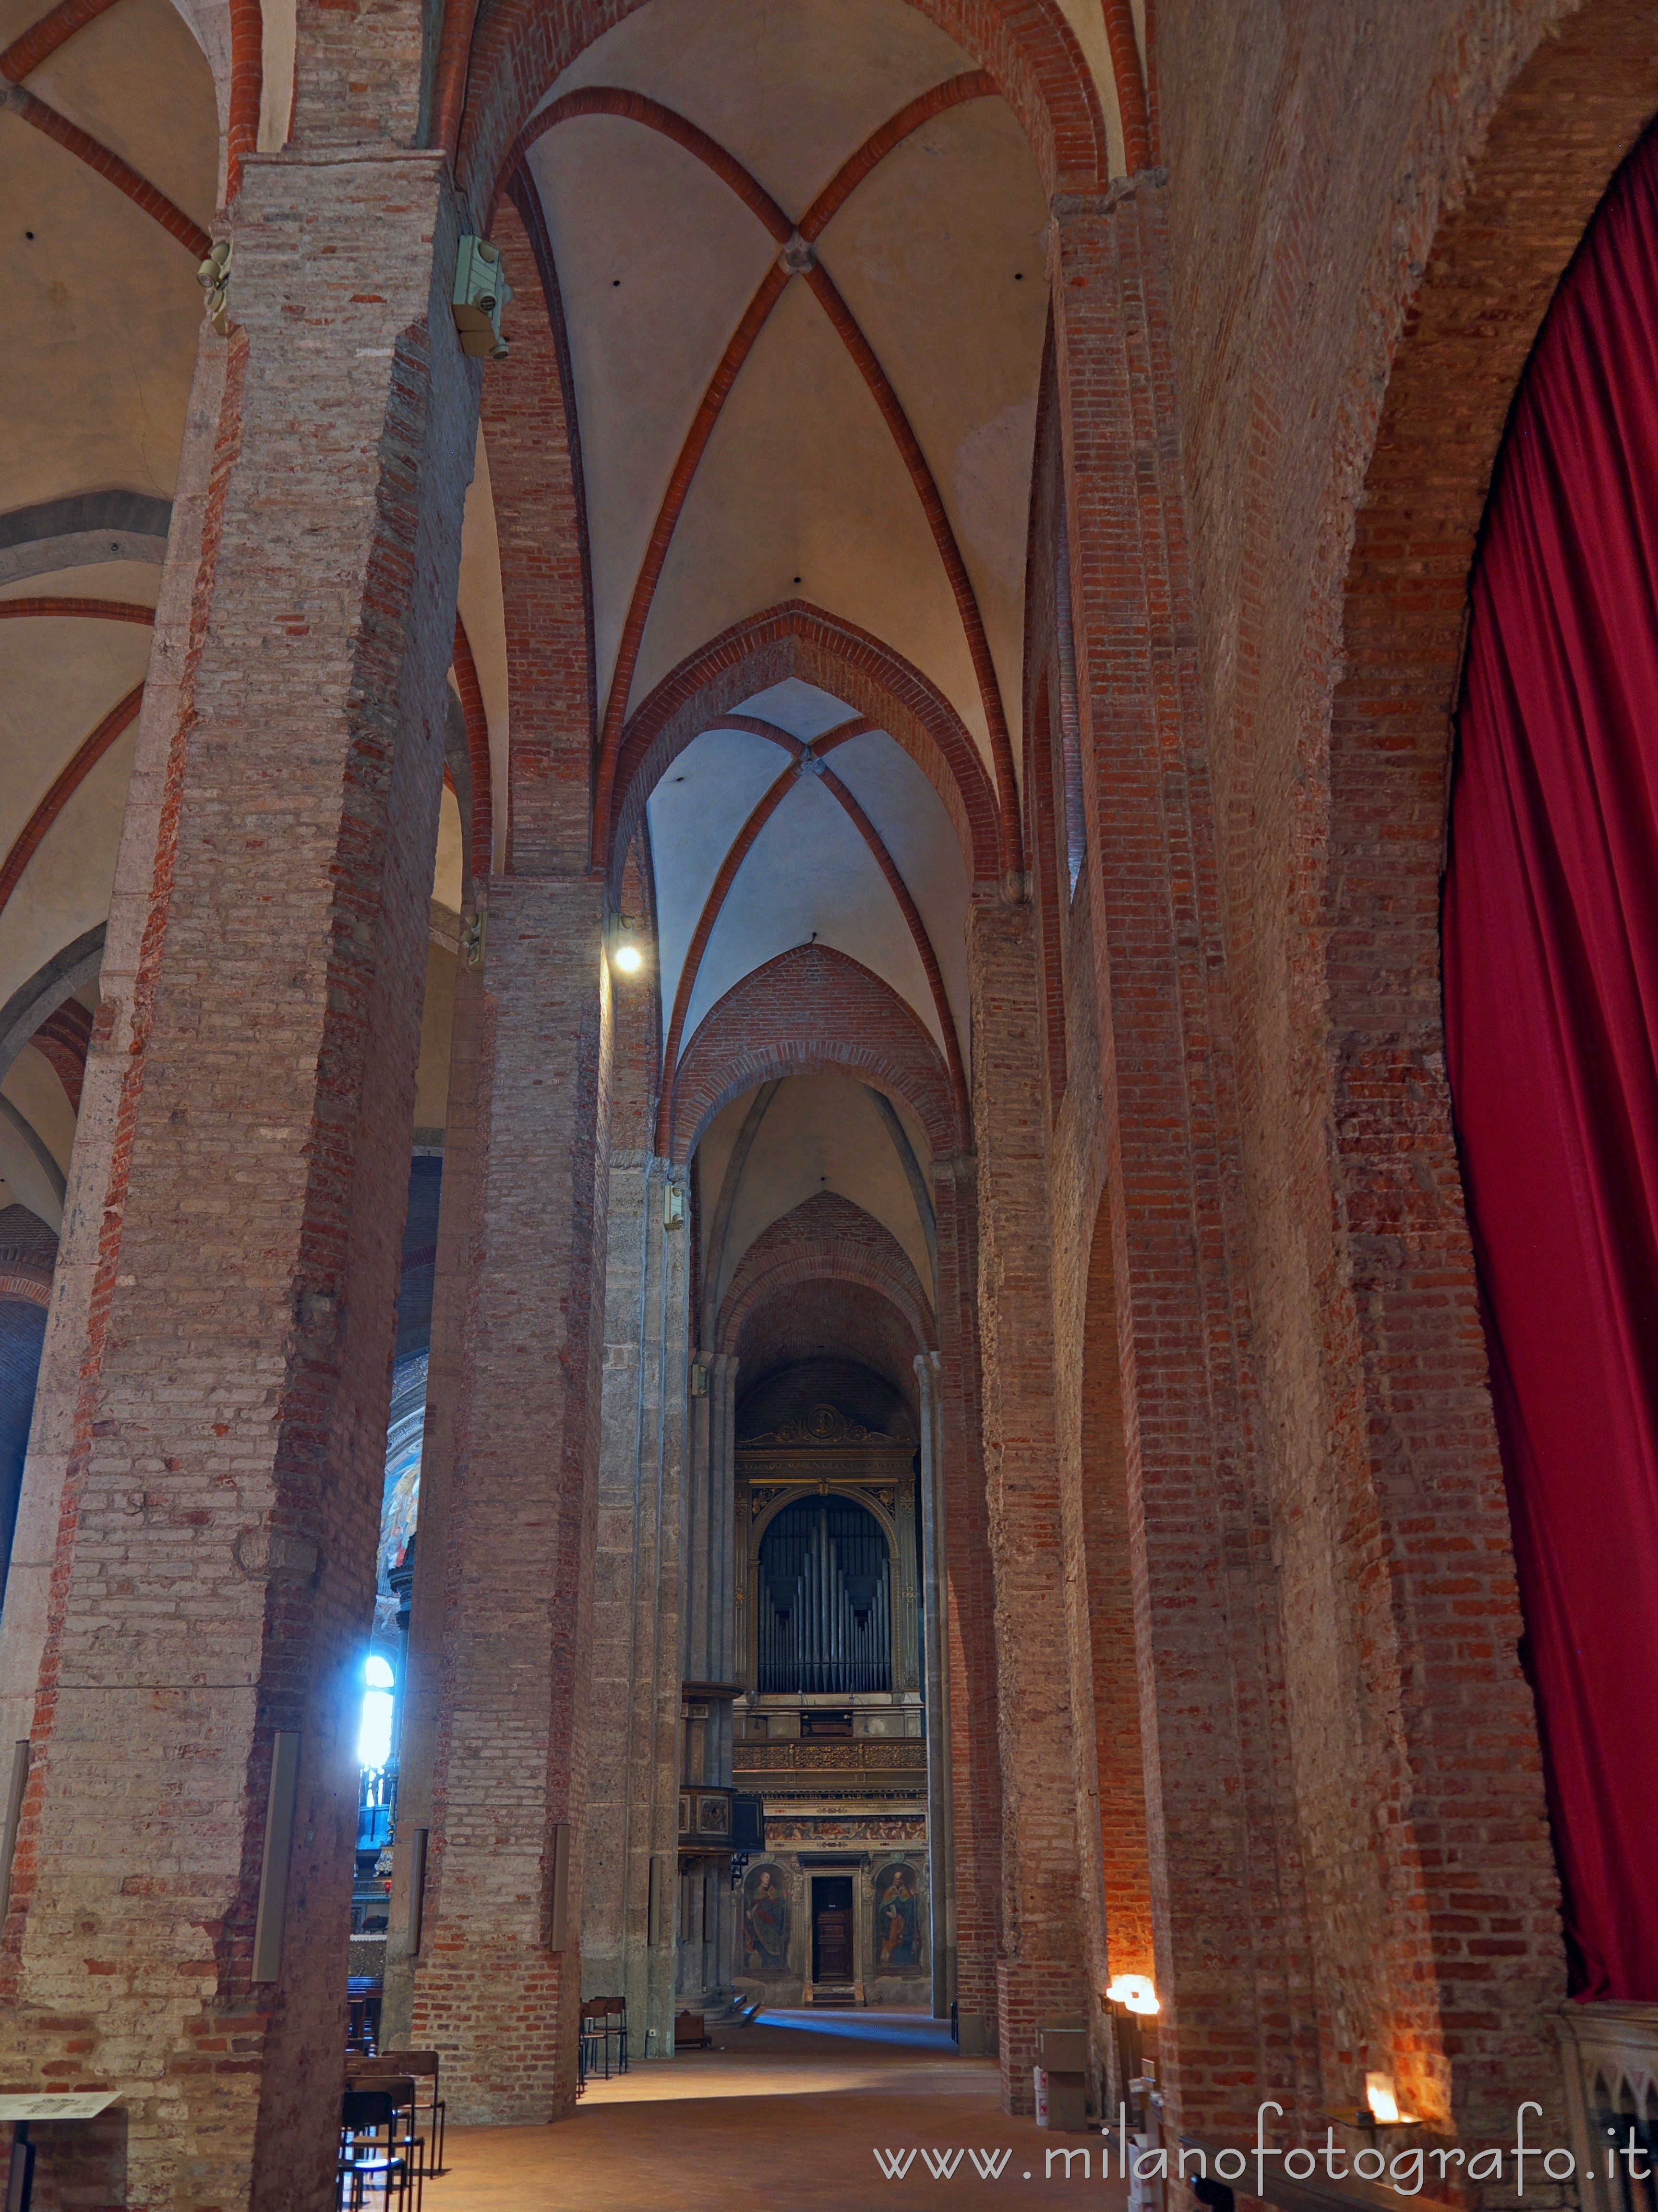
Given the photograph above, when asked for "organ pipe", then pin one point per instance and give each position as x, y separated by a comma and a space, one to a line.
826, 1608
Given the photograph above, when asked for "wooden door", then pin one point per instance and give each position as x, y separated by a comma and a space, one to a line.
831, 1931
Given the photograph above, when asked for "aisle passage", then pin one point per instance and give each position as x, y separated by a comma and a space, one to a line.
786, 2116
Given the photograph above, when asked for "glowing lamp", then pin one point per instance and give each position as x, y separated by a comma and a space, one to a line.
628, 958
1135, 1992
1380, 2095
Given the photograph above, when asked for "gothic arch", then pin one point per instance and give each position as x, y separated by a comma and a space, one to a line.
1420, 1419
809, 1012
522, 46
826, 1239
1568, 118
798, 639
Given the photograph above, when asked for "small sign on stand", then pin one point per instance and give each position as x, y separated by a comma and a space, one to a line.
71, 2104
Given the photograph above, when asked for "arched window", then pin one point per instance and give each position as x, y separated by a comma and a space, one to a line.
825, 1600
374, 1736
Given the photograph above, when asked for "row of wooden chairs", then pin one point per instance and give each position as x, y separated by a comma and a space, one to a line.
393, 2109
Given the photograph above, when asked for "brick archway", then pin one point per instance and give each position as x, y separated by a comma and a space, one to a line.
1422, 1421
826, 1239
809, 1012
796, 638
1568, 118
1029, 46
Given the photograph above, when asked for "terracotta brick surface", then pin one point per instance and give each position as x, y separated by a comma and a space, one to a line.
1039, 1969
810, 1009
1349, 335
213, 1575
504, 1564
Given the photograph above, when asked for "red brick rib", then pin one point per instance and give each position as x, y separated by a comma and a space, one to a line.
604, 100
86, 610
64, 786
960, 584
831, 1239
1130, 84
917, 930
813, 1011
25, 54
449, 79
795, 638
477, 752
974, 84
770, 291
634, 107
246, 89
742, 844
62, 1039
87, 149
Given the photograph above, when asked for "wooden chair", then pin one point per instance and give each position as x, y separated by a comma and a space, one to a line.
422, 2067
375, 2154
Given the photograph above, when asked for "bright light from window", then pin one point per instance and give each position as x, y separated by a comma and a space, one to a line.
374, 1736
629, 959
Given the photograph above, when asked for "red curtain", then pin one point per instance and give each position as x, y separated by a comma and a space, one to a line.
1551, 951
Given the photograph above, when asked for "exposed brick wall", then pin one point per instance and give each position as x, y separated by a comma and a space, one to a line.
975, 1904
1447, 140
1222, 1862
1107, 1767
504, 1585
541, 529
221, 1499
1039, 1969
808, 1011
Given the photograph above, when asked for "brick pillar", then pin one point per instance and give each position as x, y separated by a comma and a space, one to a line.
219, 1365
1038, 1971
940, 1810
632, 1816
496, 1744
972, 1925
1227, 1908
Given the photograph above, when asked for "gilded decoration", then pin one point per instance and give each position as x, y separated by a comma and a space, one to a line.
863, 1751
823, 1424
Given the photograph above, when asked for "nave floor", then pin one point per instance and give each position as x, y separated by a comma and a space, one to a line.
785, 2116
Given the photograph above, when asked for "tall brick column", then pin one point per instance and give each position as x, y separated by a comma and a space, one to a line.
973, 1922
219, 1368
1227, 1908
632, 1814
1038, 1974
496, 1741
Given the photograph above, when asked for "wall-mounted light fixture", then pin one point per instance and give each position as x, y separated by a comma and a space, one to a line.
1135, 1992
627, 957
481, 296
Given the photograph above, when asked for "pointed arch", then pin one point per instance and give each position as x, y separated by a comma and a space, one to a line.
812, 1010
523, 47
795, 638
825, 1239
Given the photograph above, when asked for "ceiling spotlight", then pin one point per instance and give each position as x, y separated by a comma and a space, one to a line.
628, 958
